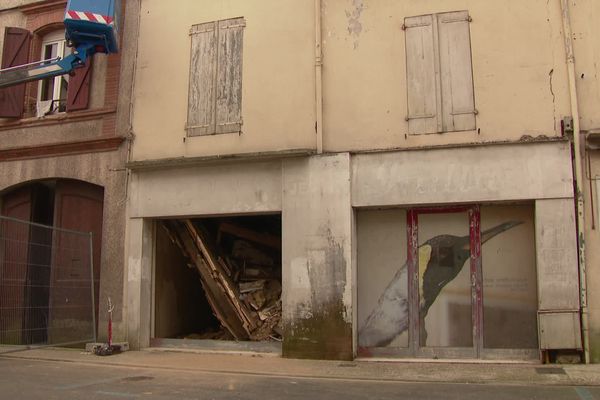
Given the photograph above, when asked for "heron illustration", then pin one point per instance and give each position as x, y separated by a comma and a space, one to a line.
443, 257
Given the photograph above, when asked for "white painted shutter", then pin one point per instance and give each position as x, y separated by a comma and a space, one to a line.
203, 64
458, 104
421, 74
229, 76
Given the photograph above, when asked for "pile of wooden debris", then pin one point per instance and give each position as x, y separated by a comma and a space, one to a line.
241, 281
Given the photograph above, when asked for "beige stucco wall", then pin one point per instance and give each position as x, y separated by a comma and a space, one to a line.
519, 69
519, 72
278, 78
586, 37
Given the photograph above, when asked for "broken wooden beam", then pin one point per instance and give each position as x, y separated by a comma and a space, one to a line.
221, 304
264, 239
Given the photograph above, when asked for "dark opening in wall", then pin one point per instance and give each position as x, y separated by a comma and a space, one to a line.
218, 278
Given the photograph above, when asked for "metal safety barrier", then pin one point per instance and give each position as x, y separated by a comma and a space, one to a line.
46, 286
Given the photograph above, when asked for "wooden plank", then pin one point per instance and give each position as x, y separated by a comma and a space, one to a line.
202, 81
260, 238
230, 289
228, 108
221, 305
458, 104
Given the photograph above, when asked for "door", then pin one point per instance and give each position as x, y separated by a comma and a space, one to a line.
78, 207
445, 290
14, 241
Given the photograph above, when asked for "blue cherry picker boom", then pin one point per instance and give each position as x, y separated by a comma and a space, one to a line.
91, 26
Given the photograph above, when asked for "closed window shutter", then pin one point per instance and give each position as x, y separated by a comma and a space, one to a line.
458, 104
229, 76
15, 52
203, 71
78, 93
422, 74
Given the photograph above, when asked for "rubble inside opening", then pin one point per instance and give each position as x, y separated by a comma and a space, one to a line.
218, 279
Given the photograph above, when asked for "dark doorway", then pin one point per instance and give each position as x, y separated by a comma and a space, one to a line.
238, 299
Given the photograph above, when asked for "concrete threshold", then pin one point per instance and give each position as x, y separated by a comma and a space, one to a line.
212, 351
266, 349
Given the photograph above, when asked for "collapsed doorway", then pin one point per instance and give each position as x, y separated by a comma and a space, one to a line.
218, 278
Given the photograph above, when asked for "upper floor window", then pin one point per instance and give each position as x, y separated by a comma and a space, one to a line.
215, 87
62, 93
52, 92
439, 73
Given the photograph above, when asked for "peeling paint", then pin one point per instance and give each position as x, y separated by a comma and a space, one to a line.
354, 25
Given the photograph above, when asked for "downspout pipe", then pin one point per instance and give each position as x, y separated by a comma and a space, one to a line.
318, 78
578, 178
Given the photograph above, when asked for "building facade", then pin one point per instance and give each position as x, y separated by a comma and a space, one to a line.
62, 162
417, 156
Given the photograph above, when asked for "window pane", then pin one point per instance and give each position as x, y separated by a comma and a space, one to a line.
509, 277
50, 50
47, 89
382, 278
444, 280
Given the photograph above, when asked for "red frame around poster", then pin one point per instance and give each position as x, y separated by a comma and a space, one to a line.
412, 226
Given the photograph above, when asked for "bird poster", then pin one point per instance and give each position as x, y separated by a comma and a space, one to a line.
444, 281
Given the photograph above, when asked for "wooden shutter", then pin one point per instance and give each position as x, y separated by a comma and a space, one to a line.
78, 93
203, 64
422, 74
15, 52
458, 104
229, 76
77, 206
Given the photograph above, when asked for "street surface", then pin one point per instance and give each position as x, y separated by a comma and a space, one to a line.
34, 379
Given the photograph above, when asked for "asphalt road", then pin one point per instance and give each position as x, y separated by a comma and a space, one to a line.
32, 379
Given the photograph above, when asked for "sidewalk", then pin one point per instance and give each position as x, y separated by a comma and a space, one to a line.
365, 370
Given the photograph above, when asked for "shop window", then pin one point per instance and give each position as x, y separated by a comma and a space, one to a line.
457, 281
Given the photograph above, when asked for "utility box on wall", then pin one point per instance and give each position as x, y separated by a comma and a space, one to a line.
558, 276
559, 330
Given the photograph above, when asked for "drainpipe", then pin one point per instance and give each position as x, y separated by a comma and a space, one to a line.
578, 178
318, 77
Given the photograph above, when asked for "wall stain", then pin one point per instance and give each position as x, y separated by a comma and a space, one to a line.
324, 333
354, 25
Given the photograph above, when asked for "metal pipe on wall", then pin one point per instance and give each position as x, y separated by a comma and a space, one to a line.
578, 177
318, 77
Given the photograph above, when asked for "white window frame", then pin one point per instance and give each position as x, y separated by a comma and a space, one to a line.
54, 38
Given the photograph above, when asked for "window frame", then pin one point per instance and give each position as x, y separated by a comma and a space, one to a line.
59, 105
